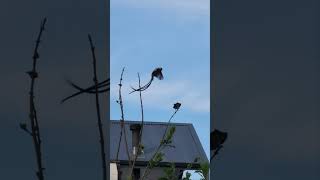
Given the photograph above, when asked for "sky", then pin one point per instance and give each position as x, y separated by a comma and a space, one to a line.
174, 35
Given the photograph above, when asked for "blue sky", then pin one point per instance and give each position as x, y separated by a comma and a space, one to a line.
172, 35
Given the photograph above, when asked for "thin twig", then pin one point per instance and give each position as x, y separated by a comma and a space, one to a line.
95, 79
159, 148
141, 129
119, 143
216, 152
123, 128
35, 130
90, 89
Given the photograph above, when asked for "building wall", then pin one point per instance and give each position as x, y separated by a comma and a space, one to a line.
156, 172
113, 171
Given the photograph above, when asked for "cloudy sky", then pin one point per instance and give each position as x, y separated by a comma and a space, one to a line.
173, 35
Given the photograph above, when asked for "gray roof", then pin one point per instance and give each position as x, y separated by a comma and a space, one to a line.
186, 142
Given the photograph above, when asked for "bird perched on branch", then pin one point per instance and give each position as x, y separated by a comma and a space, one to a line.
217, 138
90, 90
155, 73
176, 106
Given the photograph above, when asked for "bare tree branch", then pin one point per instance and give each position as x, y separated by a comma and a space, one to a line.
141, 130
102, 146
123, 127
35, 130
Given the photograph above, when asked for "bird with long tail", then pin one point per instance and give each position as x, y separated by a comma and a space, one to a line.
91, 90
155, 73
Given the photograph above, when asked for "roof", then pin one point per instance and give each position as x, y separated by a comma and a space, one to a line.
186, 142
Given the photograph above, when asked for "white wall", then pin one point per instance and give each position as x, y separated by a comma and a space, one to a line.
156, 172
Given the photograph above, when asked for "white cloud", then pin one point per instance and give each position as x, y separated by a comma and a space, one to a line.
193, 7
163, 93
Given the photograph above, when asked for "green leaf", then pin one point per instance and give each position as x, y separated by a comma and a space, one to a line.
205, 167
188, 175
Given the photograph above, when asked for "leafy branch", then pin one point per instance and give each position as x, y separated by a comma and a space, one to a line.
170, 173
164, 142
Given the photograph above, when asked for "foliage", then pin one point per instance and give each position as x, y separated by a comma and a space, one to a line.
170, 173
188, 176
203, 170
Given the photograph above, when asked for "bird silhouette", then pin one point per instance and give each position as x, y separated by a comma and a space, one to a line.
177, 106
155, 73
217, 138
23, 126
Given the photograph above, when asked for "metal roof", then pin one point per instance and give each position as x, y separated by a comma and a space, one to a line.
186, 142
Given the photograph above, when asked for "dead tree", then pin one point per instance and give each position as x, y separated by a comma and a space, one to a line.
135, 156
34, 123
95, 80
95, 89
123, 131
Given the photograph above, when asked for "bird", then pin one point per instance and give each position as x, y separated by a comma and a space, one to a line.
217, 138
157, 72
23, 126
176, 106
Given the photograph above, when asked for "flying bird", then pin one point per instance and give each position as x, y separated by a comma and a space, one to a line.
155, 73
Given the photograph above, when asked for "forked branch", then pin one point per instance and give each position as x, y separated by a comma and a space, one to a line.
141, 130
